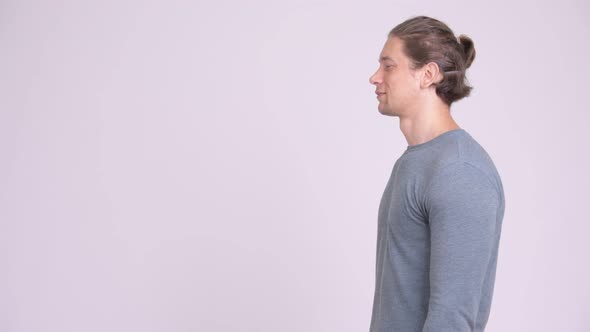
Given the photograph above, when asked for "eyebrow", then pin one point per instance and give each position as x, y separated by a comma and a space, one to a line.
383, 58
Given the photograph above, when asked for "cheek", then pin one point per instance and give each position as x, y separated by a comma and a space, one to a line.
391, 83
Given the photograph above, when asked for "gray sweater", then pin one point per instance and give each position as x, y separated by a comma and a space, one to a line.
439, 226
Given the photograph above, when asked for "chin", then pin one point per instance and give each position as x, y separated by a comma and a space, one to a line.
385, 111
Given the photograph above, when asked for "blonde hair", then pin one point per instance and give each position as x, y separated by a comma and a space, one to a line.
425, 40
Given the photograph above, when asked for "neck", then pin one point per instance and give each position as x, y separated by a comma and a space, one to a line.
427, 122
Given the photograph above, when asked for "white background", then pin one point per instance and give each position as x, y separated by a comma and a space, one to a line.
217, 166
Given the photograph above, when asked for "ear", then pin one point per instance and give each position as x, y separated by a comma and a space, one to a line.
430, 75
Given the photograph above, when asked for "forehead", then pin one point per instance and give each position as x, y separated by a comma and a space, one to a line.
392, 50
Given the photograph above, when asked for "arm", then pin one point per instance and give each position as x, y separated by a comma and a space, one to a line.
462, 204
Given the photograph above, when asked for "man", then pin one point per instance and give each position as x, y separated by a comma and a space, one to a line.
440, 215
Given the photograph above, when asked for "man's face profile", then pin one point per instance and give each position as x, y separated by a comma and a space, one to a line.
395, 83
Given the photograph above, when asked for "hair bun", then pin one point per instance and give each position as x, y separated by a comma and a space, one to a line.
468, 49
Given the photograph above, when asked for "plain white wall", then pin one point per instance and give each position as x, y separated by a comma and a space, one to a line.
217, 166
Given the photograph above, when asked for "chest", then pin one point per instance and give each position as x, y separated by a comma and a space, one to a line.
401, 209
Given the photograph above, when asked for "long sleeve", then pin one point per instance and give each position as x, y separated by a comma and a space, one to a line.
462, 205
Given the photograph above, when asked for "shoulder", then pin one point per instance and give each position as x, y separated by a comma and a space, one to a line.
469, 161
459, 182
464, 170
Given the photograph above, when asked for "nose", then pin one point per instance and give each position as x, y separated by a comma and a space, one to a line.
375, 78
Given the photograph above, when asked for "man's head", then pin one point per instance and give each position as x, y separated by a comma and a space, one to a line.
422, 59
